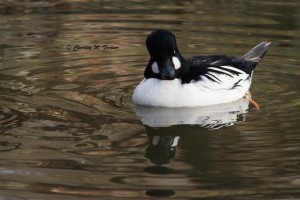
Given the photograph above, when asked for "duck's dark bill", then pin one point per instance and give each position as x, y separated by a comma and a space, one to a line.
167, 70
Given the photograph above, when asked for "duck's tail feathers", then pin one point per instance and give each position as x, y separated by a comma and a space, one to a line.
257, 53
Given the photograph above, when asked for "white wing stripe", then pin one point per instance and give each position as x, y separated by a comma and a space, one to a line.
221, 70
213, 77
233, 69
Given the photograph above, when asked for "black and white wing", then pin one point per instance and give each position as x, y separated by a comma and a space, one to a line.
218, 75
225, 72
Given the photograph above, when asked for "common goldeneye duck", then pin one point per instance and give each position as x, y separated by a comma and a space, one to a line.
172, 81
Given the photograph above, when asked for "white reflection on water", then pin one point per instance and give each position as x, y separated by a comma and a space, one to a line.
211, 117
68, 130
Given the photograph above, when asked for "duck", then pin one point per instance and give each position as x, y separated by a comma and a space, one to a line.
172, 81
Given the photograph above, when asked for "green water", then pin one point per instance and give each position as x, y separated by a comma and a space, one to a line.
68, 128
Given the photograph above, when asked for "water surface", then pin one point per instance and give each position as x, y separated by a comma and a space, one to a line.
68, 128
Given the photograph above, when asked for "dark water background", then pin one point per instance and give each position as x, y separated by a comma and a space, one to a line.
68, 129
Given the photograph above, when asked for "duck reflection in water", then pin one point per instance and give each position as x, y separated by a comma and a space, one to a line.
162, 147
165, 126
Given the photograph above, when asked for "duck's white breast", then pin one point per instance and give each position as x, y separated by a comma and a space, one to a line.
172, 93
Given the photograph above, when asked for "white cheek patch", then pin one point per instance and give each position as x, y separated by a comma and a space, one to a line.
154, 68
176, 62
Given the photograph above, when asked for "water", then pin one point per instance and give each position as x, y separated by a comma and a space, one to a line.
68, 129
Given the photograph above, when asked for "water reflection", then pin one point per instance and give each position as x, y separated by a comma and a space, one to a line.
160, 193
165, 126
68, 128
211, 117
162, 146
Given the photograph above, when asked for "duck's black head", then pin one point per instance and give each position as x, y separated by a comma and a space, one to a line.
165, 62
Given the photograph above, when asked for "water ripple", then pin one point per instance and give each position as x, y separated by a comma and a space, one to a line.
10, 118
69, 129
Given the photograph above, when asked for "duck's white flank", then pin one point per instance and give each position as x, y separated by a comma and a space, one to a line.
172, 93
